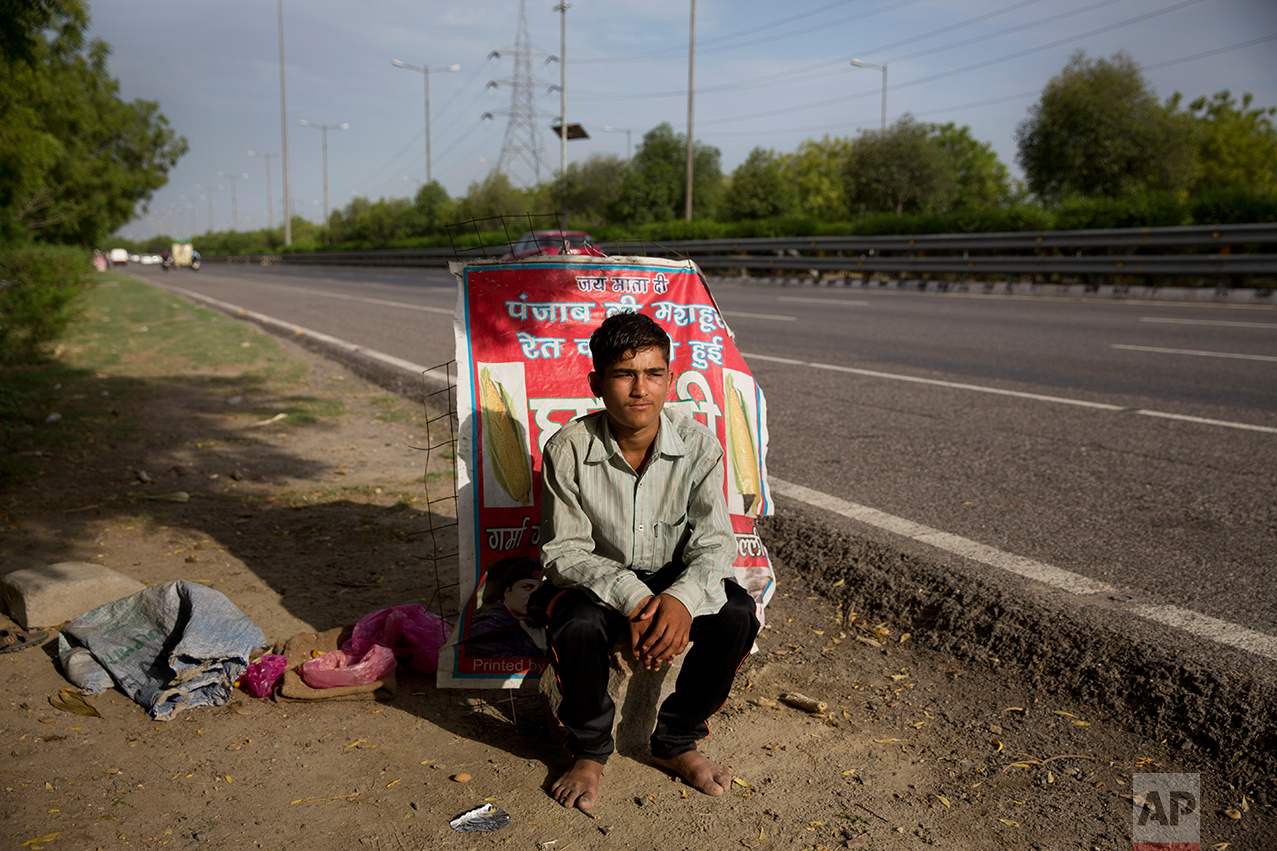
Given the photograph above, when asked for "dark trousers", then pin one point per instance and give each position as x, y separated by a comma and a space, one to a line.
582, 632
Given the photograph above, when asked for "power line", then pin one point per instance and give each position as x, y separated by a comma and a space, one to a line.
975, 66
392, 164
477, 71
1048, 20
793, 76
1237, 46
387, 164
463, 137
467, 109
675, 51
818, 28
993, 101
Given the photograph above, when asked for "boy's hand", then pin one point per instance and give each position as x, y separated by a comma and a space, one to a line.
659, 629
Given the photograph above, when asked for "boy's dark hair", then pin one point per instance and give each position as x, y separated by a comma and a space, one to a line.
623, 335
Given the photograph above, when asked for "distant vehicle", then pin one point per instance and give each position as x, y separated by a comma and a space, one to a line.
184, 254
120, 257
149, 259
551, 242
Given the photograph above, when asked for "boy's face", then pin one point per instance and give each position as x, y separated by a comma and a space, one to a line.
634, 389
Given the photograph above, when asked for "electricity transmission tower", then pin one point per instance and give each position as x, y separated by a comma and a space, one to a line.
522, 144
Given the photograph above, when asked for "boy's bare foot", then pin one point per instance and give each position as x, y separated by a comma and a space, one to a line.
579, 787
709, 777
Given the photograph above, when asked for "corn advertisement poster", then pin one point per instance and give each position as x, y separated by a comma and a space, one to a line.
523, 357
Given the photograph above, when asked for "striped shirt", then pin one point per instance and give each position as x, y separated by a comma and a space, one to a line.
601, 521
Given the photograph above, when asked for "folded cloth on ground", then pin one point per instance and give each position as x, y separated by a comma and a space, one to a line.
304, 647
170, 647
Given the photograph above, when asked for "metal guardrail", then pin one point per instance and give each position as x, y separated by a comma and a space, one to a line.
1077, 252
437, 257
1194, 235
1131, 264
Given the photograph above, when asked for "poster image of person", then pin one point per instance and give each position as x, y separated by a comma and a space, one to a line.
500, 628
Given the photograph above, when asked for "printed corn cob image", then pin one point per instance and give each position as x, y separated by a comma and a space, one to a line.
743, 449
503, 440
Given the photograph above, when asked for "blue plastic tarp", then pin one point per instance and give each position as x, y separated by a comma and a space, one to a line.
169, 647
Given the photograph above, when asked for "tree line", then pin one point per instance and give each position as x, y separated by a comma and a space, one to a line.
1098, 149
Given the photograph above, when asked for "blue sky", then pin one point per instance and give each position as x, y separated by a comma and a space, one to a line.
767, 74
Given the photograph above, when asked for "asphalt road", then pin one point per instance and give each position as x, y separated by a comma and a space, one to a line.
1115, 440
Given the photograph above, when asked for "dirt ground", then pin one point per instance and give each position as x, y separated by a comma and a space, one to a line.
311, 524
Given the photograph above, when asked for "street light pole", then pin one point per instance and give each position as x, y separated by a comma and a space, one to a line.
562, 8
325, 128
210, 190
425, 72
883, 69
270, 204
624, 130
234, 209
691, 76
283, 123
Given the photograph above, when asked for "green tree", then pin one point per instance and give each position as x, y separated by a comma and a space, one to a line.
1099, 131
1236, 146
760, 187
901, 169
494, 196
434, 208
818, 170
76, 161
654, 188
592, 187
376, 223
982, 179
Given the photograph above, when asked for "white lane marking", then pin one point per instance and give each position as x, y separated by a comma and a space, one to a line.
1072, 582
1223, 632
998, 391
1204, 626
434, 375
364, 299
937, 382
1204, 421
1159, 350
761, 316
846, 302
1168, 321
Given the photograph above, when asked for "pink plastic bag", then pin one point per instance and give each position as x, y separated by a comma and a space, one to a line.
261, 676
337, 669
407, 630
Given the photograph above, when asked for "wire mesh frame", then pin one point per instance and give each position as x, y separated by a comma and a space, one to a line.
442, 427
441, 439
502, 223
